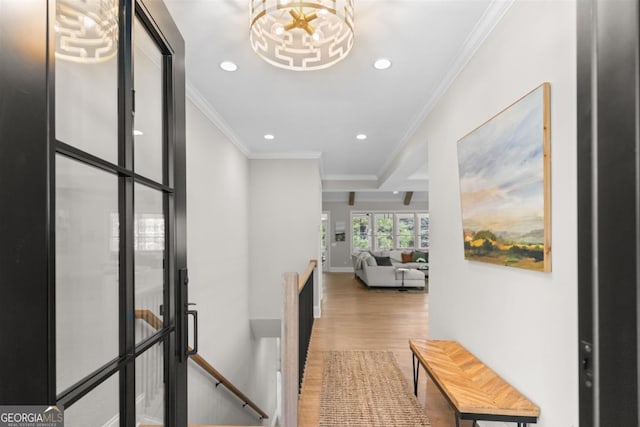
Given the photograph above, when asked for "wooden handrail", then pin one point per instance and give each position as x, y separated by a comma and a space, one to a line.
305, 276
150, 318
156, 323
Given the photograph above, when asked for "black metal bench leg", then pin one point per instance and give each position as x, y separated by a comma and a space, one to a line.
416, 372
457, 420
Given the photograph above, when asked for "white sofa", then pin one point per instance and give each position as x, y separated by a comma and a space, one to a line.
396, 260
386, 276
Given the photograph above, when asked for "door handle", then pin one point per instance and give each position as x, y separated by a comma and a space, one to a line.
193, 313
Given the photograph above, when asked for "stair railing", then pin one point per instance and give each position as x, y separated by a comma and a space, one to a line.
156, 323
297, 324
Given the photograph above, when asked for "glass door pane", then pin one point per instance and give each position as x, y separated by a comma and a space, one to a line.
149, 243
100, 407
86, 76
149, 124
87, 254
150, 389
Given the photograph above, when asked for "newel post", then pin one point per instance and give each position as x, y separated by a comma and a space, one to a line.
289, 348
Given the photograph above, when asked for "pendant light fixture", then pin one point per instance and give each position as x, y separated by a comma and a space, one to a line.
301, 35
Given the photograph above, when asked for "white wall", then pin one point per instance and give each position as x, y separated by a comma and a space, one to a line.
340, 252
284, 228
218, 260
521, 323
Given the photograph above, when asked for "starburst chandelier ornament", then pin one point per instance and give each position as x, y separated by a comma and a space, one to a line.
301, 35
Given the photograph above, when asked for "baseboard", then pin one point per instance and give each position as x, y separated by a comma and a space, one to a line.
275, 419
317, 312
341, 269
113, 422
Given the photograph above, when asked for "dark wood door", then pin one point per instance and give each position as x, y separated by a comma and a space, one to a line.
608, 219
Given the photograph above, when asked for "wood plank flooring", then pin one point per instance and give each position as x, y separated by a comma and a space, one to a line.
356, 318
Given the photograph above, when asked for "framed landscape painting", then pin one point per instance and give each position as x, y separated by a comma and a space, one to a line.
505, 186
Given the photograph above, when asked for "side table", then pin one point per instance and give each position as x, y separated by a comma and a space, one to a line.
402, 270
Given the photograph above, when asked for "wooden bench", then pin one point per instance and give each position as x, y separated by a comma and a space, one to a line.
474, 391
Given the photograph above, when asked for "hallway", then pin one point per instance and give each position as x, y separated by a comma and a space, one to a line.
355, 318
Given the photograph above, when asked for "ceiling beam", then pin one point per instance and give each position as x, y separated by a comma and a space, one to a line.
407, 198
411, 159
352, 198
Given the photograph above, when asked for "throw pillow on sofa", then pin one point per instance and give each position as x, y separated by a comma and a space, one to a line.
383, 261
371, 261
406, 257
419, 256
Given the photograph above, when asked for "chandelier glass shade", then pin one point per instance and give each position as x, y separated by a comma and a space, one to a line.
86, 30
301, 35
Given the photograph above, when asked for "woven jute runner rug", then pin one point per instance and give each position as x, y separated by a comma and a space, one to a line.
367, 388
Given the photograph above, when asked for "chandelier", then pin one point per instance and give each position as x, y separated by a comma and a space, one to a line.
301, 35
86, 30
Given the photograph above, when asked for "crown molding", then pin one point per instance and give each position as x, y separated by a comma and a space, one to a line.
207, 109
350, 178
491, 17
302, 155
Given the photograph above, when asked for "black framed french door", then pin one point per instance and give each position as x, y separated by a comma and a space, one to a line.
98, 174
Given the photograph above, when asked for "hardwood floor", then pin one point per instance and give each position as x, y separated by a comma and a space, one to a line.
356, 318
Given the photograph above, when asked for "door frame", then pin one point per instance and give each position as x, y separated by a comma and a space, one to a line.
164, 25
326, 267
608, 211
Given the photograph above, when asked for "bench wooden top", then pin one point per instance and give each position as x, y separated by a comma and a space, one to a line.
470, 385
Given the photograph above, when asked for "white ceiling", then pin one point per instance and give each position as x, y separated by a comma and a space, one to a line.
317, 114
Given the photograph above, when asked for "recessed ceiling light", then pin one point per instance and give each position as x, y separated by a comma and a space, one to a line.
361, 136
137, 132
382, 64
269, 137
228, 66
396, 192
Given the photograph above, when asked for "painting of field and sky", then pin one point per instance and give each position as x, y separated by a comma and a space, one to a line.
504, 171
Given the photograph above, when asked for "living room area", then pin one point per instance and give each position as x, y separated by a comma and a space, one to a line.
382, 238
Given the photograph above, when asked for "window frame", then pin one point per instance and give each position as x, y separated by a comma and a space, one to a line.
369, 230
395, 214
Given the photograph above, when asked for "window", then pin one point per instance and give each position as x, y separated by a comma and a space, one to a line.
389, 230
361, 231
384, 231
148, 232
423, 231
406, 231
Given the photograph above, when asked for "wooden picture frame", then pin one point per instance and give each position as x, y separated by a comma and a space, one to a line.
504, 168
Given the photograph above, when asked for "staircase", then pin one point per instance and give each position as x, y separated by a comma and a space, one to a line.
156, 323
